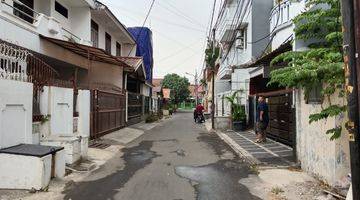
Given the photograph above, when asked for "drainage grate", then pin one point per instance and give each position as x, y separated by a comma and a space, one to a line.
99, 145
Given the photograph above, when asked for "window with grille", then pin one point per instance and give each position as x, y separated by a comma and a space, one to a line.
61, 9
315, 96
94, 34
118, 49
107, 43
25, 10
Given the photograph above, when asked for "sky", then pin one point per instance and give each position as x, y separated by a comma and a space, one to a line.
180, 29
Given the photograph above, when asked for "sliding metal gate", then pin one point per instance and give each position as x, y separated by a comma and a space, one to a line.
282, 118
107, 112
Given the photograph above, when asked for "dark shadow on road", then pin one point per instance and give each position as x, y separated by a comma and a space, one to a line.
218, 181
105, 188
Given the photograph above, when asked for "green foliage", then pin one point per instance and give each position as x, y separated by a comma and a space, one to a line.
151, 118
203, 82
334, 132
211, 55
331, 111
322, 63
237, 110
179, 87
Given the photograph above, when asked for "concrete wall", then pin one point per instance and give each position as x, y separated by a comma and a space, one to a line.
222, 123
328, 160
103, 73
222, 86
83, 104
15, 113
223, 106
24, 172
61, 111
260, 26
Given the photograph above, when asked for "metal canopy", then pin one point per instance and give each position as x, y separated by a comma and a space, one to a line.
92, 53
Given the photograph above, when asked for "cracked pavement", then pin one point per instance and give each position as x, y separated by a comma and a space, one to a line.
176, 160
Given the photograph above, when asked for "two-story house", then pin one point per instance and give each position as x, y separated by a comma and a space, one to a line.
71, 55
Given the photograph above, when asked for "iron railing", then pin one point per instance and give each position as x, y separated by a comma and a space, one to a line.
22, 11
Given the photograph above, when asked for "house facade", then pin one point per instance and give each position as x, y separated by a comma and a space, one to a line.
241, 42
72, 61
289, 111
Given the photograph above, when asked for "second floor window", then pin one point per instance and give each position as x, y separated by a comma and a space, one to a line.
94, 34
118, 49
25, 11
108, 43
61, 9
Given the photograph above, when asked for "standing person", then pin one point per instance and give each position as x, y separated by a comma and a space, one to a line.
262, 120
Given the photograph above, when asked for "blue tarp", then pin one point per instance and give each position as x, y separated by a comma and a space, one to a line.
143, 37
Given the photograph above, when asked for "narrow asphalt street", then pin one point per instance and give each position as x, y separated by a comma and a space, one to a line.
176, 160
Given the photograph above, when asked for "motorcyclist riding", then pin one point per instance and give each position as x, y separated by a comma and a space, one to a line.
199, 111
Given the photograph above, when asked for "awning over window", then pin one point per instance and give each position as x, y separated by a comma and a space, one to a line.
92, 53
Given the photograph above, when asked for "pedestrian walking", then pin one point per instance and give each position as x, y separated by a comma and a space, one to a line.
262, 119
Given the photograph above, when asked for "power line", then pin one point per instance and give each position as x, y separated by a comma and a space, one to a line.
238, 24
212, 17
180, 14
169, 38
160, 19
176, 53
271, 39
147, 15
271, 32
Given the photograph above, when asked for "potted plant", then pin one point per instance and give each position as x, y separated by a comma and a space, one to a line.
238, 114
238, 117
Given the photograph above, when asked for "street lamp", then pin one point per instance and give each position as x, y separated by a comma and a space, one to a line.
196, 85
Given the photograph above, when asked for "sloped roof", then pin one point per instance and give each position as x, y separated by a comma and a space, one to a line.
89, 52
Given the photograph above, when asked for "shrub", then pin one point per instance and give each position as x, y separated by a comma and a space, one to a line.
151, 118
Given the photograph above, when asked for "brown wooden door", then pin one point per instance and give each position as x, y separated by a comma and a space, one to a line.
107, 112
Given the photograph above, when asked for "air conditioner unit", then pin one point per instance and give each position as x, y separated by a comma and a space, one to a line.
239, 43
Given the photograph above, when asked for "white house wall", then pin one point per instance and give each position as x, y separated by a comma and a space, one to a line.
125, 48
15, 113
80, 18
83, 104
282, 28
327, 160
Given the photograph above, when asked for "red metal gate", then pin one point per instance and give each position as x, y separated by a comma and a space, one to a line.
107, 112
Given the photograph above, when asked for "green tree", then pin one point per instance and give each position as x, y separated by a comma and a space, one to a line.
322, 63
179, 87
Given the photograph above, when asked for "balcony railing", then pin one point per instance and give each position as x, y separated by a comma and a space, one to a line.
284, 12
38, 22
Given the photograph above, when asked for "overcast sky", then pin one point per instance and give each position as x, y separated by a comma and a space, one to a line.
179, 29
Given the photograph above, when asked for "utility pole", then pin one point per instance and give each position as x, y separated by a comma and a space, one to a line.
196, 88
350, 15
213, 86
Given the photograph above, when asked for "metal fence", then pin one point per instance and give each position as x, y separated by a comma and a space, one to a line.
107, 112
